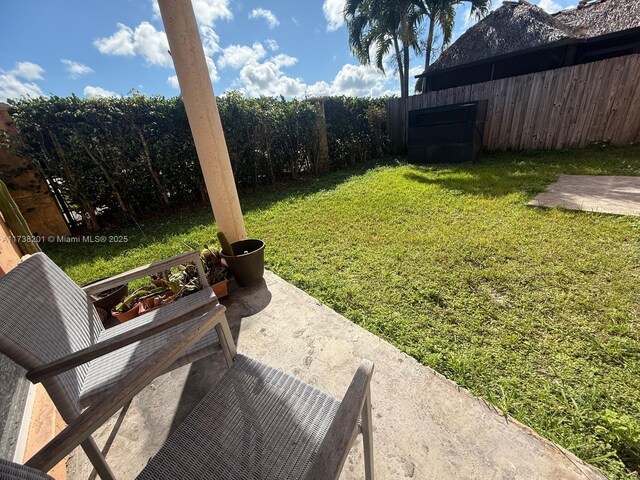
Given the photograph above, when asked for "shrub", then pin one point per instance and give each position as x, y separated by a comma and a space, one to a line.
113, 159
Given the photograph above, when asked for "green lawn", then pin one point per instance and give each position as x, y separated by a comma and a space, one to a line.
535, 310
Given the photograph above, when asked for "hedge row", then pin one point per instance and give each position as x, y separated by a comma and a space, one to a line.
117, 158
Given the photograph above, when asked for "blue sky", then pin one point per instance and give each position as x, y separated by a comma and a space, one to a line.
267, 47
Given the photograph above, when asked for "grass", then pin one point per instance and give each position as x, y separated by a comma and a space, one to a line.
536, 310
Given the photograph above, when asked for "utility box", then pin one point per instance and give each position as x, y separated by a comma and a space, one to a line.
447, 134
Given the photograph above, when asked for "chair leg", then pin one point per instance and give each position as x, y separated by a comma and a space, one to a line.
97, 459
226, 340
367, 436
112, 436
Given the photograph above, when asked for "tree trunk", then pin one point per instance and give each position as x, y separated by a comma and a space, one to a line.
403, 93
152, 172
110, 181
420, 84
82, 198
405, 52
429, 46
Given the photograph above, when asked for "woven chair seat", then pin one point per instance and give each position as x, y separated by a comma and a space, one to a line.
256, 423
13, 471
105, 371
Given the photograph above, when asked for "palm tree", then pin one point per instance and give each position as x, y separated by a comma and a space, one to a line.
441, 14
383, 25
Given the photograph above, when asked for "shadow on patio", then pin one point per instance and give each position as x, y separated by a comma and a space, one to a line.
425, 426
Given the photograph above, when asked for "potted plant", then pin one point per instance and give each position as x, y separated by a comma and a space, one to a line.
127, 309
217, 273
182, 283
245, 259
159, 279
130, 307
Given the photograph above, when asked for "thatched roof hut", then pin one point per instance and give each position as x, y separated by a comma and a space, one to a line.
601, 17
512, 27
520, 25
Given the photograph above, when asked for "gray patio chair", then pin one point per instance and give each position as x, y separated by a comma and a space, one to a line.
48, 325
256, 423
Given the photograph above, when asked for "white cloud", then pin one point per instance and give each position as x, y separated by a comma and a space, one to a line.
236, 56
549, 6
76, 69
18, 82
268, 15
173, 82
359, 81
145, 40
120, 43
97, 92
152, 45
282, 60
334, 13
207, 11
267, 78
213, 71
210, 40
295, 20
272, 44
13, 87
28, 71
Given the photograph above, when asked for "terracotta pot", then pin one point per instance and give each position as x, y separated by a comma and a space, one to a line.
102, 313
149, 304
220, 288
130, 314
168, 297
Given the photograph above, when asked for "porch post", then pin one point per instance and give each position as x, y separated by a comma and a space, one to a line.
202, 112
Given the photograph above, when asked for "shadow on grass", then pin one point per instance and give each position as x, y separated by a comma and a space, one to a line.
529, 173
160, 229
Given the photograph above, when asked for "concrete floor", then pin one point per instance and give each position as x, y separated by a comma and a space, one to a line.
593, 193
425, 426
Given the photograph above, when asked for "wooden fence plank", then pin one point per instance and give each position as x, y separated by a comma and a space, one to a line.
621, 100
567, 107
590, 107
527, 129
631, 114
570, 107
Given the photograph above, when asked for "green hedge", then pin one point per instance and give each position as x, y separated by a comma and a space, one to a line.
120, 158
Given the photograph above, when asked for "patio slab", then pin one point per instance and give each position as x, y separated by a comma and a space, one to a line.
593, 193
425, 426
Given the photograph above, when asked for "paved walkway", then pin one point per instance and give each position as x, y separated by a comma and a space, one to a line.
424, 425
593, 193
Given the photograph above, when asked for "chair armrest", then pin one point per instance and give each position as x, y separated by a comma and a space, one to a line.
98, 349
336, 444
98, 413
140, 272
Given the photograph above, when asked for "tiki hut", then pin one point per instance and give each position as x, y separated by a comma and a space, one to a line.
520, 38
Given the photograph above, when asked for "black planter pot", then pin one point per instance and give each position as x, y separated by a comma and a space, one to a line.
248, 268
114, 297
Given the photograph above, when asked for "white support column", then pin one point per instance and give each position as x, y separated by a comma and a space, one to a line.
202, 112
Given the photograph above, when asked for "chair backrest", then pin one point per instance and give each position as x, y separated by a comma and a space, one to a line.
44, 316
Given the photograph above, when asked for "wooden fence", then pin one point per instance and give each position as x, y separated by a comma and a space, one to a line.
554, 109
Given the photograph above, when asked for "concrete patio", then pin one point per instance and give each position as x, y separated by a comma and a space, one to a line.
425, 426
618, 195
